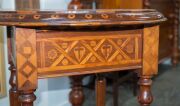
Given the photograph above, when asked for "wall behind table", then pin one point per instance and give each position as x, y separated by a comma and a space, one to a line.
51, 92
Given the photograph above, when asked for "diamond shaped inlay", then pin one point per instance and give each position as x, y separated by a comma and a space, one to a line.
26, 49
27, 69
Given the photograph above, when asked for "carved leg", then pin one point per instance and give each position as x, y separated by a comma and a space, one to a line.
100, 91
145, 97
149, 64
27, 98
76, 96
13, 92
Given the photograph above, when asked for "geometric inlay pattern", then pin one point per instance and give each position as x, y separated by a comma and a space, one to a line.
26, 58
66, 53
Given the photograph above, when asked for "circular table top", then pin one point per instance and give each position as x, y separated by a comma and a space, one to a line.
99, 17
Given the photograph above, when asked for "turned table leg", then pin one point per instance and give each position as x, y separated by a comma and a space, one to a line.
76, 96
145, 97
27, 98
100, 90
149, 64
13, 92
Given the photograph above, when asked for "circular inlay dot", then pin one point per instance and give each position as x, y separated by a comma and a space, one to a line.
105, 16
89, 16
71, 16
52, 54
21, 16
54, 16
65, 62
37, 16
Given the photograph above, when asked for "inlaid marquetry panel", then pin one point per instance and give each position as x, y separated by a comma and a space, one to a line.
26, 58
62, 51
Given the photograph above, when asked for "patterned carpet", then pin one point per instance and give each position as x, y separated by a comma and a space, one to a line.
166, 90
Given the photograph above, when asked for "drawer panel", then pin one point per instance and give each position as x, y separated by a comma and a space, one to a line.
72, 52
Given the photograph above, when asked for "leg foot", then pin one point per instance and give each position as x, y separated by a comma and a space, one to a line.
76, 96
145, 97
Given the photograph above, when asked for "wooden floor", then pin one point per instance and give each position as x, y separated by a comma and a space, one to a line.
166, 90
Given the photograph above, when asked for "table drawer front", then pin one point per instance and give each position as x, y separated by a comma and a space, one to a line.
81, 50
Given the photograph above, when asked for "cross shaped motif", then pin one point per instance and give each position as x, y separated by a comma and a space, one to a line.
79, 52
106, 50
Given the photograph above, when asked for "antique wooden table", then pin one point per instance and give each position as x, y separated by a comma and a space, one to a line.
45, 44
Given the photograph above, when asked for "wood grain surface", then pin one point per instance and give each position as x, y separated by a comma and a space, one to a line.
87, 52
107, 17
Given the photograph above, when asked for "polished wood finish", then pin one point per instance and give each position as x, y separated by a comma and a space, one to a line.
27, 98
84, 42
89, 18
17, 97
26, 58
149, 68
145, 97
76, 96
150, 46
93, 51
100, 90
13, 92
